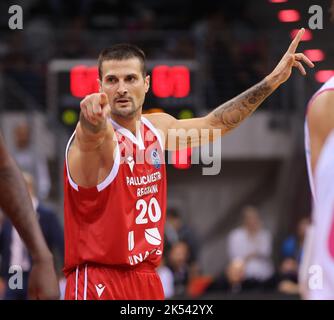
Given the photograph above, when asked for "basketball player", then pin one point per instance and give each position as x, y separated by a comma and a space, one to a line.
16, 204
114, 201
317, 268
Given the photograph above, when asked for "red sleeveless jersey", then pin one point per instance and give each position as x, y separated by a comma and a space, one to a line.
120, 222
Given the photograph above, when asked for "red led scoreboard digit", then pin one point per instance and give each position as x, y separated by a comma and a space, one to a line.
171, 81
166, 81
83, 81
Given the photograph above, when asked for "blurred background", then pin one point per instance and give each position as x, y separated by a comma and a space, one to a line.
219, 49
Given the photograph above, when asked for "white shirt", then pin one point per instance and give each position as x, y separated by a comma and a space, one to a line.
318, 278
167, 280
241, 244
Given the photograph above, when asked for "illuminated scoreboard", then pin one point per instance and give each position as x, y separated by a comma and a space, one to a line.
174, 88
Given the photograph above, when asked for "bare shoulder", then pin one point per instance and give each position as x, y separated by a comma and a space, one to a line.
320, 120
320, 115
322, 106
161, 120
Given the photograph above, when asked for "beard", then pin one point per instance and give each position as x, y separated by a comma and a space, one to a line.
128, 111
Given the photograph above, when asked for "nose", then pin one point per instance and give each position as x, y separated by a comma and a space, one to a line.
122, 88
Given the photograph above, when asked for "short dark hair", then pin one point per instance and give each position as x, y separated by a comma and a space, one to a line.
122, 51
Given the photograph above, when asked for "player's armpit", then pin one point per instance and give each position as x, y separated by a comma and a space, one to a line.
320, 120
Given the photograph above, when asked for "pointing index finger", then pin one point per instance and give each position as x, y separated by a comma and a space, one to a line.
103, 99
294, 44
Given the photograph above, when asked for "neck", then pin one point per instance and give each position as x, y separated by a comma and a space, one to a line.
128, 123
252, 232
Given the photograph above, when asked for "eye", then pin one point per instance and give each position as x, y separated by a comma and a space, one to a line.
112, 80
131, 78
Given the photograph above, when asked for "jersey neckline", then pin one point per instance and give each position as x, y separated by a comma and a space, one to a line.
138, 140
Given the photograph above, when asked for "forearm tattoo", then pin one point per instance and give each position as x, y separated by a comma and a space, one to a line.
233, 112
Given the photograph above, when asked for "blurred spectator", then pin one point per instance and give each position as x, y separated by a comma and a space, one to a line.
253, 244
180, 48
31, 160
144, 20
25, 75
177, 262
176, 230
74, 44
167, 279
288, 277
233, 279
292, 246
14, 252
214, 40
67, 10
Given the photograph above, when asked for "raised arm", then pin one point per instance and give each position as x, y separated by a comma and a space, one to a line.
16, 204
89, 157
230, 114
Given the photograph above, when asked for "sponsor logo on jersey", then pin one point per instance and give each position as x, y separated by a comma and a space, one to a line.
140, 257
143, 180
131, 241
99, 289
130, 162
155, 159
147, 190
152, 236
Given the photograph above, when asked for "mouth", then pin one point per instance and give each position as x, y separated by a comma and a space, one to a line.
122, 100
